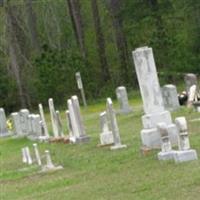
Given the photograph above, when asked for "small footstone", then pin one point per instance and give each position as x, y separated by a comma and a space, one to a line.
82, 139
49, 164
54, 168
120, 146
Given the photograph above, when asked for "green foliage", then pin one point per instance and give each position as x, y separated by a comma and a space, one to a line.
56, 74
7, 91
171, 28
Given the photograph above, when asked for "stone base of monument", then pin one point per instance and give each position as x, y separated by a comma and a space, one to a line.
106, 138
51, 168
166, 155
38, 138
7, 134
186, 155
151, 120
59, 139
81, 139
104, 145
151, 137
118, 146
18, 136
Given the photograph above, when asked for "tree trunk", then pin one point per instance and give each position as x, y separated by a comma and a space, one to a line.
32, 25
13, 55
105, 73
114, 7
162, 40
76, 18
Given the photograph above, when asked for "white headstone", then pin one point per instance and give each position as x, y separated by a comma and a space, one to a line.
170, 97
69, 124
60, 127
49, 164
24, 113
24, 158
37, 125
190, 80
16, 124
37, 154
74, 124
77, 126
191, 95
166, 149
53, 118
28, 156
3, 124
114, 126
152, 99
30, 128
77, 111
184, 143
184, 153
44, 124
123, 100
106, 136
82, 137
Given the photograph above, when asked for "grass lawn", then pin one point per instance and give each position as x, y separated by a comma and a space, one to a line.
94, 173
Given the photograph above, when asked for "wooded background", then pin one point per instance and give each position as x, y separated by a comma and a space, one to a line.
44, 42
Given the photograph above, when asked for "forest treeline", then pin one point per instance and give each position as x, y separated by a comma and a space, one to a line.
44, 42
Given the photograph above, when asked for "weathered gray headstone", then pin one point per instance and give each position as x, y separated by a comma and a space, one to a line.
78, 129
192, 95
82, 137
35, 128
44, 124
3, 124
80, 87
37, 125
184, 153
24, 113
152, 99
123, 100
166, 149
30, 128
53, 118
69, 124
73, 121
190, 80
170, 97
106, 136
60, 127
114, 126
16, 124
48, 159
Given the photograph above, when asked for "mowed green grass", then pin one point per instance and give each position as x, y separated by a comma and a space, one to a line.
94, 173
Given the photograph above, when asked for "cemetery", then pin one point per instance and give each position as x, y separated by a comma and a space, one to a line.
107, 151
100, 100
